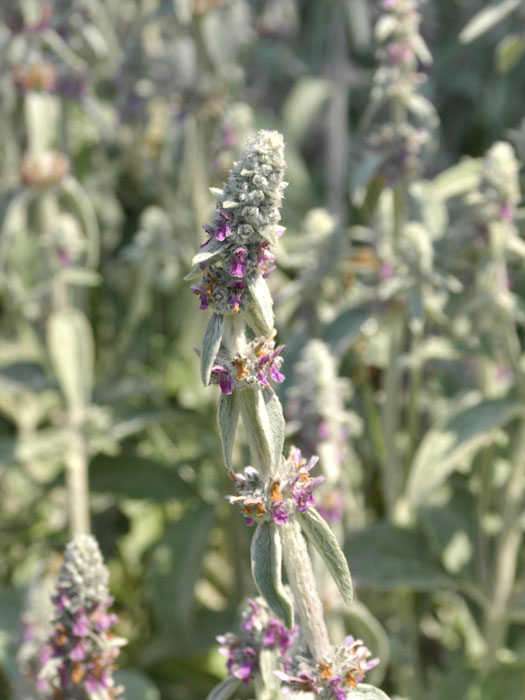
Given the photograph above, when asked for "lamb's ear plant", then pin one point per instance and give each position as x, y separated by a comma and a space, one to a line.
79, 657
275, 494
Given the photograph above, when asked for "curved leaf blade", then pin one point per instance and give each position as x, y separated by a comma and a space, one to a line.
321, 536
266, 555
227, 418
367, 692
211, 343
260, 311
225, 689
458, 438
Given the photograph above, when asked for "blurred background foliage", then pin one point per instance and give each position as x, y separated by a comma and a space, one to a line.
115, 119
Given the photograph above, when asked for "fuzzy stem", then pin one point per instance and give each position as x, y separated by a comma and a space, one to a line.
508, 545
415, 390
391, 475
77, 482
302, 582
337, 122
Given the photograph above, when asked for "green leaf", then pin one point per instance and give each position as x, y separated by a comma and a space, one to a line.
260, 310
367, 692
137, 685
175, 567
277, 424
345, 328
132, 476
459, 179
454, 684
224, 690
456, 439
266, 556
227, 419
257, 428
80, 276
509, 51
135, 421
387, 557
211, 343
451, 528
303, 104
263, 419
505, 681
358, 13
210, 250
70, 343
487, 18
321, 536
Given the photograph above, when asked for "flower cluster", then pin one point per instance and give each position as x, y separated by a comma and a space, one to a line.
259, 631
260, 362
397, 81
332, 677
245, 225
278, 497
36, 623
499, 191
78, 659
316, 406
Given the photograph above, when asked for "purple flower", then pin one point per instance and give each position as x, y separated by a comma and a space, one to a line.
331, 506
77, 653
221, 375
197, 289
267, 365
238, 262
302, 485
242, 659
81, 625
337, 689
79, 642
235, 300
104, 621
279, 513
386, 271
277, 635
222, 228
506, 212
304, 681
264, 256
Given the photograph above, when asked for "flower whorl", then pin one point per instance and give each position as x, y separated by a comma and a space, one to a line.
236, 255
79, 656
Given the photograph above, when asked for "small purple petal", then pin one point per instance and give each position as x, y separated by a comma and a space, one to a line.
81, 626
77, 653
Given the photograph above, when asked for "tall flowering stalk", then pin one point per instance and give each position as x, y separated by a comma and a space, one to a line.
316, 404
495, 202
79, 657
275, 493
36, 629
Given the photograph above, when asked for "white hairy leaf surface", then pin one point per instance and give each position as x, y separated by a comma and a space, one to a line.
228, 418
211, 343
302, 582
277, 424
224, 690
210, 250
70, 343
367, 692
260, 311
266, 554
321, 536
258, 428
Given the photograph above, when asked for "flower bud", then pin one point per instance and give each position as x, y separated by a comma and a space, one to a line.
79, 657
